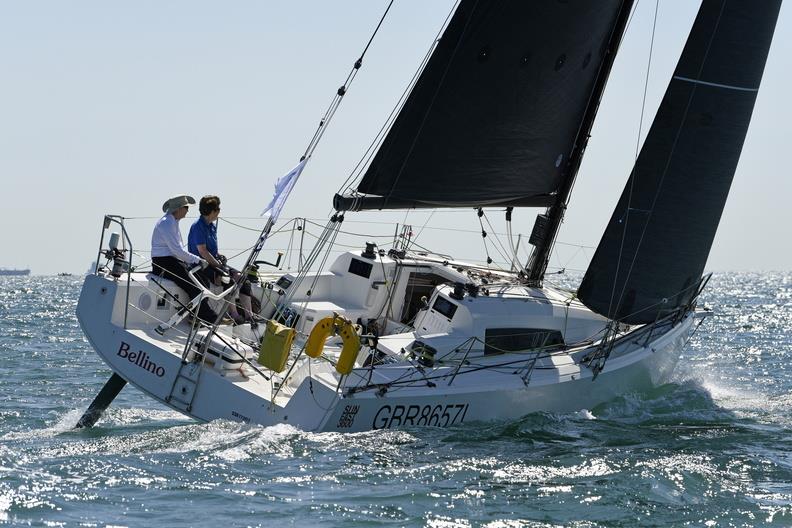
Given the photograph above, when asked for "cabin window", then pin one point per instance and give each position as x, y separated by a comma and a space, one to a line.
360, 268
445, 307
498, 340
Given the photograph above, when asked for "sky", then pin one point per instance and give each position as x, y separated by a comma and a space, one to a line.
112, 107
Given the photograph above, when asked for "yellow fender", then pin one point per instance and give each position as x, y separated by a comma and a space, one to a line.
330, 326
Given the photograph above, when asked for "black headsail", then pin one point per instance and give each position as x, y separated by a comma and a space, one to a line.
654, 249
500, 108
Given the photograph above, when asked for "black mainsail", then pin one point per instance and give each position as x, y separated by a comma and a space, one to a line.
654, 249
500, 109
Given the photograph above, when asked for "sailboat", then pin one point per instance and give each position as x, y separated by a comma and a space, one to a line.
13, 272
381, 338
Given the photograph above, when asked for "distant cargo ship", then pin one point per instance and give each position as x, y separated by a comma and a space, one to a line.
7, 271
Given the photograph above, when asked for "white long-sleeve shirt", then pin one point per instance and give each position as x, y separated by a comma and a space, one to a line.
166, 241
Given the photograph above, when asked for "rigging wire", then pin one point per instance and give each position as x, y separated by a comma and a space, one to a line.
339, 95
611, 327
289, 244
510, 237
315, 221
373, 147
646, 81
480, 213
667, 164
637, 152
422, 229
335, 103
440, 83
503, 252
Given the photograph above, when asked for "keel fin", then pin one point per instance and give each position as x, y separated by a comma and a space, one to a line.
102, 401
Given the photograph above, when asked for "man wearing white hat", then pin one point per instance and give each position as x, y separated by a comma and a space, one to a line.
168, 256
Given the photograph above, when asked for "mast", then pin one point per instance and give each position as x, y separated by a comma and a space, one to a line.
545, 230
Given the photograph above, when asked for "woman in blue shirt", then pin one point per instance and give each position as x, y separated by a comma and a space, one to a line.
202, 241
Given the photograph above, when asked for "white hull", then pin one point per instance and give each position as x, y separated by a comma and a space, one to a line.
559, 382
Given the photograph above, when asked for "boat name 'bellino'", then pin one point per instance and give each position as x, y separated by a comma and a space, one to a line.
140, 359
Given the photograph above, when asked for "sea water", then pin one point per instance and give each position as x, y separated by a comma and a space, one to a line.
711, 448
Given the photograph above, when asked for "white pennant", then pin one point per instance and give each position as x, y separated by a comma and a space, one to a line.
283, 187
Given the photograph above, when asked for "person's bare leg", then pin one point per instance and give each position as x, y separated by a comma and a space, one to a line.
247, 306
234, 314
